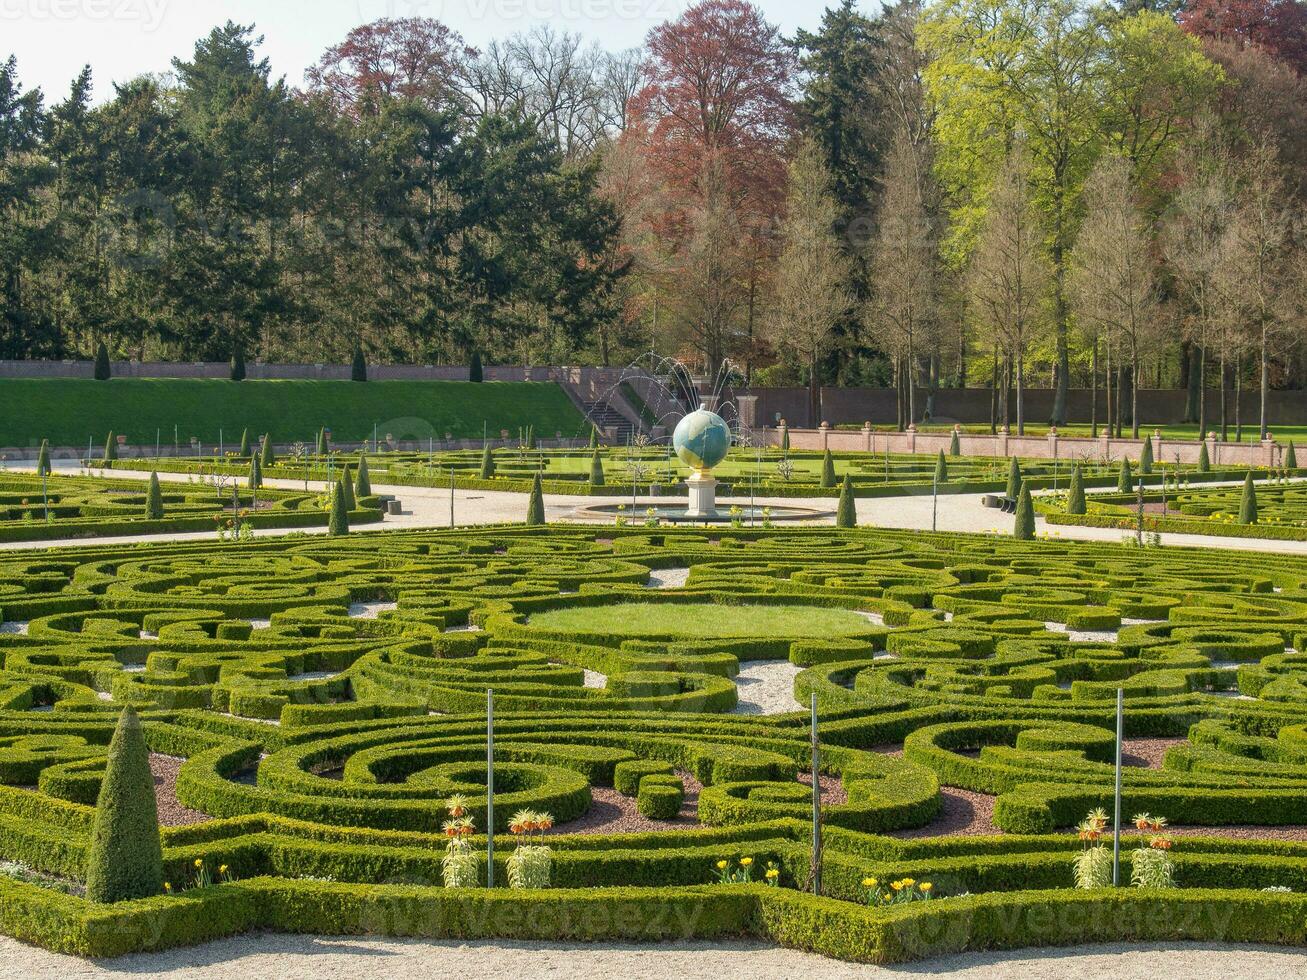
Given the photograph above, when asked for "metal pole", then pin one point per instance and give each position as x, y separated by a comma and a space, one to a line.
156, 442
451, 495
221, 445
45, 499
490, 788
1116, 807
816, 804
1139, 522
934, 501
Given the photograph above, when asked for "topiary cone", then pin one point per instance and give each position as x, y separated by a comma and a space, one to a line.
487, 463
1204, 464
256, 473
535, 507
1013, 479
269, 456
828, 470
954, 446
362, 482
846, 514
110, 448
338, 516
1125, 482
102, 369
1290, 458
941, 468
125, 859
153, 499
596, 470
1248, 504
347, 488
322, 441
43, 467
245, 444
1023, 528
1075, 501
1146, 457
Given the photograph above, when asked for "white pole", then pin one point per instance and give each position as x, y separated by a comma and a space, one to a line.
816, 804
490, 788
1116, 810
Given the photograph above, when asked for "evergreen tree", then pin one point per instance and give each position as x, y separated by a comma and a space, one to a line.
338, 517
347, 488
238, 364
269, 455
846, 513
1023, 528
322, 441
474, 370
362, 482
1075, 501
487, 462
596, 470
43, 467
955, 445
535, 508
594, 439
941, 469
256, 473
126, 858
110, 448
102, 370
1146, 457
828, 470
1125, 482
358, 370
1248, 504
530, 437
1204, 464
1290, 458
1013, 479
153, 499
245, 444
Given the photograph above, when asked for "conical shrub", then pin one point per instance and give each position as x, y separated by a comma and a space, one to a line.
1204, 463
245, 444
594, 437
125, 859
474, 370
954, 445
487, 462
362, 482
322, 441
846, 514
358, 369
596, 470
269, 454
941, 468
1146, 457
1290, 458
1248, 504
43, 467
828, 470
535, 507
1013, 479
338, 516
347, 488
110, 448
1075, 501
1125, 481
1023, 528
153, 499
102, 370
238, 365
256, 473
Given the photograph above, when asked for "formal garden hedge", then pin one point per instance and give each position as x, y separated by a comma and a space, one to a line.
327, 696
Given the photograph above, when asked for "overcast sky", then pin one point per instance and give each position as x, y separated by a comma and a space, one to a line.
123, 38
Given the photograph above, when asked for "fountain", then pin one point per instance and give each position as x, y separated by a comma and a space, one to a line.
701, 441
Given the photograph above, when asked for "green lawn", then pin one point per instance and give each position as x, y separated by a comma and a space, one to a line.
706, 620
69, 411
1283, 433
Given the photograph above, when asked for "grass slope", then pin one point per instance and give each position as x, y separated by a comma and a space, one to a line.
68, 411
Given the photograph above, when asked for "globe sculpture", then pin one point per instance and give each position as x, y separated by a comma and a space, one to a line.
701, 441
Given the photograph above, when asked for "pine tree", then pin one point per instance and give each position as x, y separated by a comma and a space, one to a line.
846, 514
110, 448
955, 445
362, 482
1125, 482
43, 467
487, 462
338, 517
535, 508
126, 857
153, 499
1146, 458
102, 369
322, 441
1013, 479
269, 455
1075, 501
1023, 528
941, 469
1248, 505
256, 473
596, 470
1290, 458
358, 369
474, 370
828, 470
238, 364
245, 444
1204, 464
347, 488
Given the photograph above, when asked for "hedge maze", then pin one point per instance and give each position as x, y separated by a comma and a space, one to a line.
328, 696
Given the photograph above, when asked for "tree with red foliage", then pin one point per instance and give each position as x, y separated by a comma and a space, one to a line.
1279, 26
401, 58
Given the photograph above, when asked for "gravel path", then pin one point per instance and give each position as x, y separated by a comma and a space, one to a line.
361, 958
612, 813
766, 687
164, 768
668, 578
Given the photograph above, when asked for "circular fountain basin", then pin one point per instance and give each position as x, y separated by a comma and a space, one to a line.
726, 513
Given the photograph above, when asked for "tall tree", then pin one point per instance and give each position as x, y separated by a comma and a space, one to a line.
1279, 26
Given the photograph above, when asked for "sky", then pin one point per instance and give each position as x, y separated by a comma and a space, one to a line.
120, 39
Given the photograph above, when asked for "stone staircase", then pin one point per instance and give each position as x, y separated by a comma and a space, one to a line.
606, 418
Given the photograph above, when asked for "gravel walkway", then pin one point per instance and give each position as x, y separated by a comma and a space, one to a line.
766, 687
164, 768
612, 813
668, 578
361, 958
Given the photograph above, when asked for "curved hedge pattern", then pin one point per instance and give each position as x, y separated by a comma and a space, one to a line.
328, 694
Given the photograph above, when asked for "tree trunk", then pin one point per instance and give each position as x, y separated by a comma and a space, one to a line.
814, 392
993, 396
1107, 381
1202, 391
1225, 384
1238, 392
1265, 390
1093, 390
1021, 402
1134, 391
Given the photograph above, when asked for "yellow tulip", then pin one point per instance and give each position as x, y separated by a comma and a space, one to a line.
868, 882
721, 865
745, 862
926, 886
199, 862
773, 873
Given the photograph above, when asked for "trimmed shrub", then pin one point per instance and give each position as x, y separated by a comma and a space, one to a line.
474, 369
1146, 457
269, 454
535, 508
153, 499
244, 449
126, 857
322, 441
1248, 505
487, 463
1204, 463
594, 437
1125, 481
660, 797
347, 488
954, 445
941, 469
846, 514
1075, 501
1291, 457
1023, 528
827, 470
102, 369
238, 365
358, 369
1013, 479
362, 482
596, 470
256, 474
110, 448
43, 467
338, 521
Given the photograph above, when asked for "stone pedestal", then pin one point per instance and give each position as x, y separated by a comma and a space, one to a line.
703, 496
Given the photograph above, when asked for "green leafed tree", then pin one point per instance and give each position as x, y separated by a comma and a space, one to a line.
338, 515
596, 469
1075, 501
1023, 527
1125, 479
1248, 502
43, 467
268, 453
110, 448
846, 514
125, 859
535, 507
362, 482
941, 468
102, 370
244, 449
487, 462
827, 469
153, 499
1013, 479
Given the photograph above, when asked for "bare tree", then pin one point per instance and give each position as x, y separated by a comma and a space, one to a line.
813, 271
1010, 277
904, 306
1113, 282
